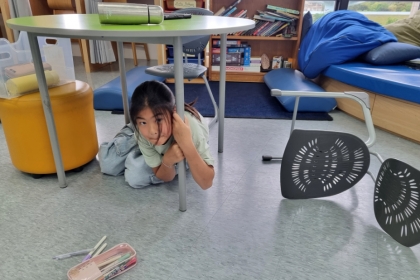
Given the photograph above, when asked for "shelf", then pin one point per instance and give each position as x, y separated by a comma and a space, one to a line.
251, 77
257, 38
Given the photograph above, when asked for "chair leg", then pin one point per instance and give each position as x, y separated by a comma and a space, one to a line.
216, 109
133, 48
146, 50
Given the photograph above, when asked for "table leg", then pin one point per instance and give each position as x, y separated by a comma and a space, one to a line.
179, 99
222, 89
46, 104
123, 79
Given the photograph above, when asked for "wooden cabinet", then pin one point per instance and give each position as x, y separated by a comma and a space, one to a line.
271, 46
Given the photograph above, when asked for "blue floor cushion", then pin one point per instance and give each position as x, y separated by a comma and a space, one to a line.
109, 96
293, 80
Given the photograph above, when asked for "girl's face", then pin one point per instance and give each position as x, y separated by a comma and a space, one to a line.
148, 125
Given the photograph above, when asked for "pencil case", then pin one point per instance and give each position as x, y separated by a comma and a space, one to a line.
107, 265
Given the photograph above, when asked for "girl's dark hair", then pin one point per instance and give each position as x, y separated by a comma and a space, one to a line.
159, 98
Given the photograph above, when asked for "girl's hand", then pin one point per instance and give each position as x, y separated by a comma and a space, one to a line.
181, 131
173, 155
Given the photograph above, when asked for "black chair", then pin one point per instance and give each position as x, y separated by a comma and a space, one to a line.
396, 201
320, 163
191, 70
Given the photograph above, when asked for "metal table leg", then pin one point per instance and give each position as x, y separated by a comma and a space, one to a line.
222, 91
179, 99
123, 79
46, 104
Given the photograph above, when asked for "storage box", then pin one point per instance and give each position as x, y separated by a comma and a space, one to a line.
17, 72
182, 4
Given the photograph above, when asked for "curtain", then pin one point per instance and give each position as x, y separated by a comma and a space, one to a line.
100, 51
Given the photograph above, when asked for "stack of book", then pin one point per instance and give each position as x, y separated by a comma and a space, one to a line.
238, 56
274, 21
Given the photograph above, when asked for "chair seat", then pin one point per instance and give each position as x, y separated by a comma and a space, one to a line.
322, 163
191, 70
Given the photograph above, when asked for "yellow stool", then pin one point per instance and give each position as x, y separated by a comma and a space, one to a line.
26, 131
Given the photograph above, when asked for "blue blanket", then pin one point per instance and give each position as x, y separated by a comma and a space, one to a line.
339, 37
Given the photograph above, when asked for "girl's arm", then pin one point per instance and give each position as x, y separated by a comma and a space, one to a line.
202, 173
166, 170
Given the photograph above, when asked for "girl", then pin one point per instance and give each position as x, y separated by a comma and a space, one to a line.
164, 139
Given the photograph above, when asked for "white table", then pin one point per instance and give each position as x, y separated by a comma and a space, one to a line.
175, 32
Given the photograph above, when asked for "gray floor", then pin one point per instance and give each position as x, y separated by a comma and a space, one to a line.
241, 228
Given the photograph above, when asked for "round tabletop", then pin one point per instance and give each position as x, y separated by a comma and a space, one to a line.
88, 26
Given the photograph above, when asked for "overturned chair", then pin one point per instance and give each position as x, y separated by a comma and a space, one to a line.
319, 163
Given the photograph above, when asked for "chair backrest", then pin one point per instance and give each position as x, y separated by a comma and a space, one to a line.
322, 163
396, 201
198, 45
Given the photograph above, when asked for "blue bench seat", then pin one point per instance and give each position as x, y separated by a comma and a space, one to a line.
397, 81
293, 80
109, 96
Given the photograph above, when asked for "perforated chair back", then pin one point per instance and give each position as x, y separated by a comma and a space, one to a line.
396, 201
198, 45
322, 163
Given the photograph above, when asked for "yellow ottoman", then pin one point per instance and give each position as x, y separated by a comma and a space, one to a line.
26, 131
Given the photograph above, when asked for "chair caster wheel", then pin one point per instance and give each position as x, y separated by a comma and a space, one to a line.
78, 169
37, 176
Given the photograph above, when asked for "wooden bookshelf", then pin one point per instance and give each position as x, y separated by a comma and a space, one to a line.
271, 46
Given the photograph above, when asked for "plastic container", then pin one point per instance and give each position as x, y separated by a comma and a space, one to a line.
17, 72
175, 5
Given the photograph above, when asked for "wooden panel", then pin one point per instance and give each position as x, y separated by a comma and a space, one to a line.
393, 115
5, 12
397, 116
61, 4
40, 7
238, 77
349, 106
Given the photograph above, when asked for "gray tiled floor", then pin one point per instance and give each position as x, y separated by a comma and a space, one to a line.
241, 228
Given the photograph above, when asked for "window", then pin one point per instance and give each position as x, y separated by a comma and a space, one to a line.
384, 12
319, 8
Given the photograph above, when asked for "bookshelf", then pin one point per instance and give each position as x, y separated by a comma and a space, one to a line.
271, 46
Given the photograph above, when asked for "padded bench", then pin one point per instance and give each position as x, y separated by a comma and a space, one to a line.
292, 80
109, 96
394, 93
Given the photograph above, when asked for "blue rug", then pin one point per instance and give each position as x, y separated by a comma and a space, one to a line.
244, 100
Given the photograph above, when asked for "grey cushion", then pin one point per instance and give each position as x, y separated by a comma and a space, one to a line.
392, 53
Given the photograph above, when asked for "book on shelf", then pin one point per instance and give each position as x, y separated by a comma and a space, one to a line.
273, 16
241, 13
232, 59
284, 14
231, 6
255, 61
255, 69
258, 17
229, 43
245, 53
279, 32
228, 13
220, 11
276, 8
